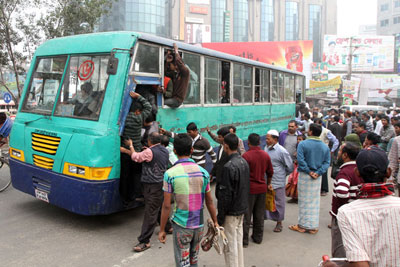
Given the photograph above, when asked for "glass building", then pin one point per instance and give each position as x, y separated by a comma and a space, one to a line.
314, 29
292, 21
217, 20
267, 20
240, 21
150, 16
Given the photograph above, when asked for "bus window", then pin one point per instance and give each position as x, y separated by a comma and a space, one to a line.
281, 89
83, 90
258, 82
242, 84
44, 85
289, 89
299, 89
275, 95
192, 61
225, 82
147, 59
265, 87
212, 81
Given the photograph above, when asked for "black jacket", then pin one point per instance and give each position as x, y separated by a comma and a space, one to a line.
336, 130
234, 188
222, 158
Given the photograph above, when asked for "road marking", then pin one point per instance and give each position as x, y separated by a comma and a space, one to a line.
129, 259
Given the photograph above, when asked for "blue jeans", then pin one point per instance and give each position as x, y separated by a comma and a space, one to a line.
186, 245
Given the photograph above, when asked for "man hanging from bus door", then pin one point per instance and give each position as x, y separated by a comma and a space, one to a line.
180, 75
129, 185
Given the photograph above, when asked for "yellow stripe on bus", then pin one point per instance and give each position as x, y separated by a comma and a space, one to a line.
48, 151
45, 141
44, 145
43, 166
46, 137
43, 163
43, 158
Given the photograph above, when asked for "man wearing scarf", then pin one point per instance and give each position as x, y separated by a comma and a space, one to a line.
370, 225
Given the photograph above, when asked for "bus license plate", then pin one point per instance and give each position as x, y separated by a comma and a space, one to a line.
41, 195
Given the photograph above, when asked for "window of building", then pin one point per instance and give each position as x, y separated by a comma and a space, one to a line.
396, 20
192, 61
242, 84
384, 23
240, 21
314, 30
212, 80
217, 20
397, 3
267, 20
385, 7
147, 16
292, 21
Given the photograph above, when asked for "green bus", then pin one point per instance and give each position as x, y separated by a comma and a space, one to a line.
65, 141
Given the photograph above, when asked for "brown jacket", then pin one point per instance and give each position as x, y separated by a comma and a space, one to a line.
181, 82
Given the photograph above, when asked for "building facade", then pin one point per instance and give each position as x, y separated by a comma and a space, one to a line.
197, 21
388, 19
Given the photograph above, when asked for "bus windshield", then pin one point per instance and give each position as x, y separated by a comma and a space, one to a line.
82, 90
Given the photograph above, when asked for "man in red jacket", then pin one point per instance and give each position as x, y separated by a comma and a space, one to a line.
260, 165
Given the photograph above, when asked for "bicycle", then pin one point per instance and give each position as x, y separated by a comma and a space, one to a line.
5, 181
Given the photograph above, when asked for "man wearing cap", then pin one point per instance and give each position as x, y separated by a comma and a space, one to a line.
370, 225
283, 165
313, 157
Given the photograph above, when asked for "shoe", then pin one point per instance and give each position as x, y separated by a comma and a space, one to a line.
324, 193
292, 200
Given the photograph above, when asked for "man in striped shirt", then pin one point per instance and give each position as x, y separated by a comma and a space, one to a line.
200, 144
344, 189
370, 225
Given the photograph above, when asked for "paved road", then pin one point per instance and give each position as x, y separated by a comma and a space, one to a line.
34, 233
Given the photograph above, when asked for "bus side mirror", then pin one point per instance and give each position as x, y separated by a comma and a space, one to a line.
112, 65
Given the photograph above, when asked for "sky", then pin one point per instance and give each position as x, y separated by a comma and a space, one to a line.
353, 13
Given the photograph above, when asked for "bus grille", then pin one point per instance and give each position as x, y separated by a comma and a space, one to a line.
43, 162
45, 144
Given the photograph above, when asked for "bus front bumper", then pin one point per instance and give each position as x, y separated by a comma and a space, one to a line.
76, 195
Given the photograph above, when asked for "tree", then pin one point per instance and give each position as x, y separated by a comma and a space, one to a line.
69, 17
10, 39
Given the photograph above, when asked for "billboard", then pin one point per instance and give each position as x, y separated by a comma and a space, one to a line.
370, 53
293, 55
319, 71
197, 33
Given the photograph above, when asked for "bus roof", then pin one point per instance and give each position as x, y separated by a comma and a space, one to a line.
105, 41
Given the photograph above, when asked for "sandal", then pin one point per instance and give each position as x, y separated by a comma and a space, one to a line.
169, 232
140, 247
278, 228
313, 232
297, 228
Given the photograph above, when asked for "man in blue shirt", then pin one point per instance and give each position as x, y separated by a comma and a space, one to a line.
283, 165
313, 157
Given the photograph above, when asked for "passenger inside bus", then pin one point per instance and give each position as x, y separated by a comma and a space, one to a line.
82, 100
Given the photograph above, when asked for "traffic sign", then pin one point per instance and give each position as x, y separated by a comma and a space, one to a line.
7, 98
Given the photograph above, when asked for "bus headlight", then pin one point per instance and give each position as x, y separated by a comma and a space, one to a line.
90, 173
17, 154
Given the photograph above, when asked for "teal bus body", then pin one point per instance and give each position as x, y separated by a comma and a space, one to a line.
73, 144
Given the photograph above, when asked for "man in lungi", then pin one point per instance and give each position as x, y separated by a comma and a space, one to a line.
313, 157
283, 165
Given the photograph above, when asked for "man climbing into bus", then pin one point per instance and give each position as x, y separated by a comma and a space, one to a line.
155, 162
129, 185
180, 76
5, 128
200, 144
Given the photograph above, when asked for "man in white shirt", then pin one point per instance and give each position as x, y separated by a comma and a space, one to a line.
370, 226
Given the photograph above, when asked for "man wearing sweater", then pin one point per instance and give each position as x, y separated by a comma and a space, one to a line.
313, 157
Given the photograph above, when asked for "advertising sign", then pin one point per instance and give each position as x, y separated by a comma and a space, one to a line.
370, 53
198, 10
319, 87
319, 71
293, 55
197, 33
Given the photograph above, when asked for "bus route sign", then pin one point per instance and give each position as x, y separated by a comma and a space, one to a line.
86, 70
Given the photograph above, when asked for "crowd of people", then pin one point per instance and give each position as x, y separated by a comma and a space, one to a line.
175, 191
